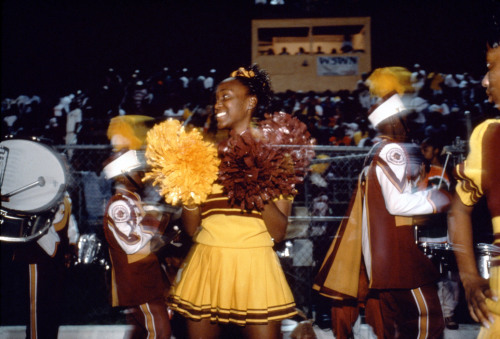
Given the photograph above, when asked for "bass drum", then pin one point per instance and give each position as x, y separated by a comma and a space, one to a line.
33, 180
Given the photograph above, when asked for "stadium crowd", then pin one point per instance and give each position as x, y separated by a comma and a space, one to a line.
448, 105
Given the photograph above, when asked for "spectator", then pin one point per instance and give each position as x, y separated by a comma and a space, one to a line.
284, 51
301, 51
347, 44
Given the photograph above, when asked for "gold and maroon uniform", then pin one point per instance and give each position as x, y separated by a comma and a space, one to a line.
478, 177
379, 235
137, 278
232, 274
46, 259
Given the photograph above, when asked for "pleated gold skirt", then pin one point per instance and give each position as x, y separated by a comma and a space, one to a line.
232, 285
493, 332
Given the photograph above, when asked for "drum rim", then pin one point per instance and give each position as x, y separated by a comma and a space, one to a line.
47, 222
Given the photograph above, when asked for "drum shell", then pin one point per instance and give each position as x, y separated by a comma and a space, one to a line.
483, 259
18, 227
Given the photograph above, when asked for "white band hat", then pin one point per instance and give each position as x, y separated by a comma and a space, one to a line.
127, 162
390, 105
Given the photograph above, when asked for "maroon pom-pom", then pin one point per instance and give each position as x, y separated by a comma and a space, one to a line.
258, 166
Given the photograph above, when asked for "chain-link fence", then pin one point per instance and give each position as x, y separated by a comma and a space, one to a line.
317, 211
318, 208
323, 205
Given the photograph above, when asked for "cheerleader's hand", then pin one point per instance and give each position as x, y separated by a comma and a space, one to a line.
478, 295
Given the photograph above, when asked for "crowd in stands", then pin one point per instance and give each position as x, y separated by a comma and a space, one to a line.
443, 104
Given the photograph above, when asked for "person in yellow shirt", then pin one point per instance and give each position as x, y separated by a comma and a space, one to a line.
232, 274
477, 179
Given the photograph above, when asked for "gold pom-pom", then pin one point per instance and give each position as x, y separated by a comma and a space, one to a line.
182, 163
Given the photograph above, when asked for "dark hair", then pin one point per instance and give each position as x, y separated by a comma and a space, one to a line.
258, 83
434, 141
493, 25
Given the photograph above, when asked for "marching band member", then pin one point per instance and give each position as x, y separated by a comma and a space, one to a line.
47, 258
374, 253
131, 227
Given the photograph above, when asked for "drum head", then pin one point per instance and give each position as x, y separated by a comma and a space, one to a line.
33, 175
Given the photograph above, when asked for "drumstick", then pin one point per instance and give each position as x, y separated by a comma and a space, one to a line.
444, 169
39, 182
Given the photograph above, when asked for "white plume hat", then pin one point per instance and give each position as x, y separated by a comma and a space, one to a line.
389, 106
129, 161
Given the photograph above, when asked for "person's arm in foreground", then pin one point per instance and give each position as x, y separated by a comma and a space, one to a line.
477, 289
275, 215
191, 218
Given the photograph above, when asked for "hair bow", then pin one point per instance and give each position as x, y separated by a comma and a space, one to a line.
241, 72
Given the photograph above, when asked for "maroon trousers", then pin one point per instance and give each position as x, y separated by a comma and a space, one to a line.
395, 313
149, 320
412, 313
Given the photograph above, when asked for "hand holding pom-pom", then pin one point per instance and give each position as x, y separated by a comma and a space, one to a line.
182, 164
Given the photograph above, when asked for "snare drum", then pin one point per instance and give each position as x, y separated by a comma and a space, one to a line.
484, 254
33, 181
441, 254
